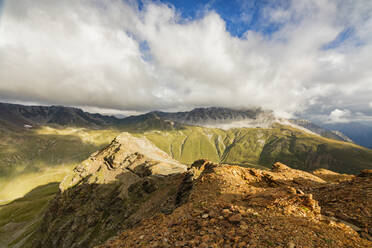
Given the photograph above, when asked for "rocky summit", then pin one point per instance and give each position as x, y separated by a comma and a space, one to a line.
132, 194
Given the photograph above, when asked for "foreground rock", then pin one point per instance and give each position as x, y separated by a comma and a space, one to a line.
231, 206
113, 189
350, 202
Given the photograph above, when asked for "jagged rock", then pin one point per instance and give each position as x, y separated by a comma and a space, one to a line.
278, 167
126, 156
114, 188
200, 166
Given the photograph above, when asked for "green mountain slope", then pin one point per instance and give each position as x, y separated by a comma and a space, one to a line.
29, 158
260, 146
23, 216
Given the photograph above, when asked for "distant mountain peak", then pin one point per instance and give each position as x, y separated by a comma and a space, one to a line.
17, 115
221, 117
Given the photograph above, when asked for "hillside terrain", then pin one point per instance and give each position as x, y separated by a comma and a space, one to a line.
29, 158
132, 194
23, 216
262, 147
33, 156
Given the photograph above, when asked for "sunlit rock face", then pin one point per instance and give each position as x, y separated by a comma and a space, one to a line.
126, 155
115, 187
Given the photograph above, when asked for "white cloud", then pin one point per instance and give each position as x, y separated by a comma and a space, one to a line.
90, 53
339, 115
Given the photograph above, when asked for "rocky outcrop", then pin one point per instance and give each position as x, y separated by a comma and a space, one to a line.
114, 188
231, 206
126, 159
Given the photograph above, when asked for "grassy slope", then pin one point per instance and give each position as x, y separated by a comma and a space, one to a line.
36, 157
260, 146
21, 217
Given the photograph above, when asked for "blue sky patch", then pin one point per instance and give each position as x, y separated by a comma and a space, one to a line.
341, 37
239, 15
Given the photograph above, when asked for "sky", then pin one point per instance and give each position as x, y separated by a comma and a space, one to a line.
309, 58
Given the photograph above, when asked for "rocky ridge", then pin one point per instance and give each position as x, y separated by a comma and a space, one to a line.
231, 206
126, 181
129, 155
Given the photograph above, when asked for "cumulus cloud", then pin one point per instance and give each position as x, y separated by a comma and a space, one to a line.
113, 55
339, 115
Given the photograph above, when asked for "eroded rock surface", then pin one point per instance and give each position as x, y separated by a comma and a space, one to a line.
231, 206
113, 189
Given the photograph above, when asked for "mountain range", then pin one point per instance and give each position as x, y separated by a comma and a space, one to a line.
15, 115
69, 178
132, 194
46, 142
